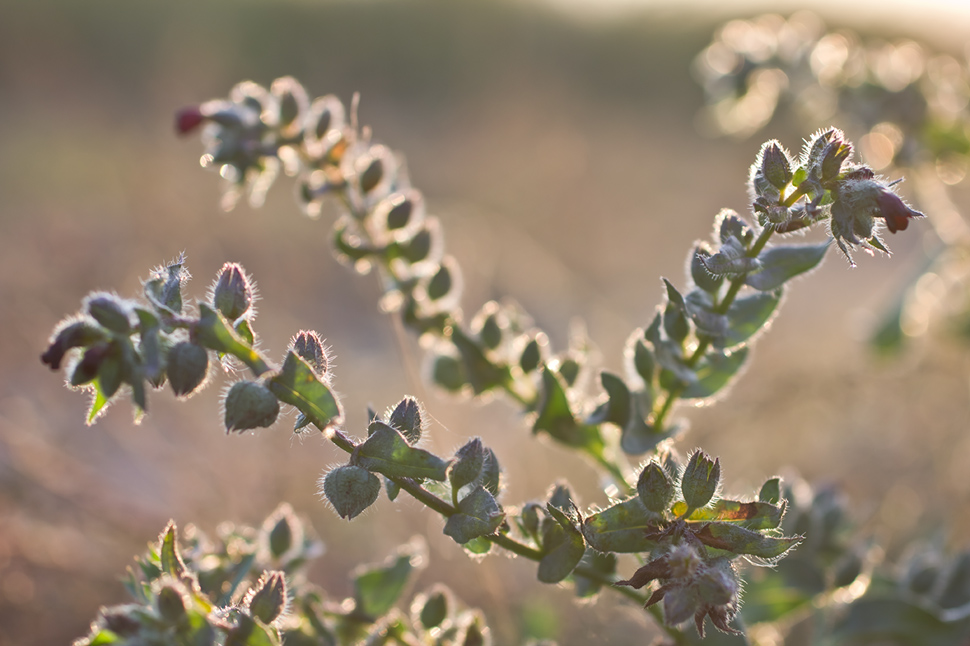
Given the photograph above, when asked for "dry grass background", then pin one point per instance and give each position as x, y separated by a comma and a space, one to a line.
563, 161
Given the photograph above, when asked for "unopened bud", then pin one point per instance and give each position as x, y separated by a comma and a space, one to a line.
110, 311
307, 344
187, 367
351, 490
836, 153
268, 599
700, 480
775, 165
468, 463
233, 293
406, 417
250, 405
655, 488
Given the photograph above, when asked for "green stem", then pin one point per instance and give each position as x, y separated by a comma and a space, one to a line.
704, 341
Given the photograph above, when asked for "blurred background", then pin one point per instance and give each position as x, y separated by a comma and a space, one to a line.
558, 142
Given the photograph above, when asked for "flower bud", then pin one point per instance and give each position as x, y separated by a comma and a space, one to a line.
406, 417
836, 153
307, 344
700, 479
655, 488
187, 367
250, 405
468, 463
267, 600
351, 490
775, 165
110, 311
233, 292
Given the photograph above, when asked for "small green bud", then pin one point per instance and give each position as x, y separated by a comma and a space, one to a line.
350, 489
655, 488
267, 599
233, 292
468, 463
700, 480
187, 367
308, 345
171, 604
491, 332
250, 405
110, 311
836, 153
406, 417
775, 165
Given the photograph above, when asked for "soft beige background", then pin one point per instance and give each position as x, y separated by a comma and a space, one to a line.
563, 161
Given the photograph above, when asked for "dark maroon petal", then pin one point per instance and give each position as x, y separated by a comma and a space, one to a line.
895, 211
188, 119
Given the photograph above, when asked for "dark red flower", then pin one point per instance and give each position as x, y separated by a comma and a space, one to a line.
188, 119
894, 211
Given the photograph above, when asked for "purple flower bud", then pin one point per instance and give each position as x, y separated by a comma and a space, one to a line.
188, 119
894, 210
233, 294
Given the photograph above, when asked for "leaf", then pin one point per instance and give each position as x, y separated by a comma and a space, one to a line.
479, 514
747, 316
888, 620
213, 331
616, 409
297, 384
563, 555
605, 564
385, 451
781, 264
622, 528
638, 437
482, 374
714, 372
168, 552
377, 588
752, 515
556, 419
738, 540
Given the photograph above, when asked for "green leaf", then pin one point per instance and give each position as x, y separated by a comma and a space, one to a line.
616, 409
482, 374
478, 546
377, 588
564, 552
478, 515
638, 437
213, 331
385, 451
752, 515
747, 316
168, 552
769, 598
714, 372
622, 528
770, 491
604, 563
99, 402
298, 385
896, 621
738, 540
781, 264
556, 419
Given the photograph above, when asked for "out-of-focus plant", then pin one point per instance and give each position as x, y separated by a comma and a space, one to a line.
906, 105
689, 541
